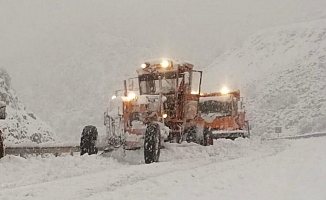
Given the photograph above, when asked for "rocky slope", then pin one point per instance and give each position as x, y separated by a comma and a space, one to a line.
21, 125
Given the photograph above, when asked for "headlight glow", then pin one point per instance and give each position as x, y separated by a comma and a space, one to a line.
165, 63
225, 90
113, 97
143, 66
131, 96
165, 115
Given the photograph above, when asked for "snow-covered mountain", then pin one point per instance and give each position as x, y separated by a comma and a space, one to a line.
21, 125
282, 72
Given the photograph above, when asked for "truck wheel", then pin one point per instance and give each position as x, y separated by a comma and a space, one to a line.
191, 134
208, 136
152, 143
88, 140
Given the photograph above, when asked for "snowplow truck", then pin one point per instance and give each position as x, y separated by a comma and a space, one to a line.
223, 112
164, 103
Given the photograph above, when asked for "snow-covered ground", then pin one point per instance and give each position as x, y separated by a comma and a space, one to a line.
240, 169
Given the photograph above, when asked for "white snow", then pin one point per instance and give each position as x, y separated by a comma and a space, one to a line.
68, 57
240, 169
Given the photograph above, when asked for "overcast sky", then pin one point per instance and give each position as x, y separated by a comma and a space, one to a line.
41, 31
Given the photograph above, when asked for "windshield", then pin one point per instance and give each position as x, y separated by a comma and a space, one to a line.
212, 106
149, 83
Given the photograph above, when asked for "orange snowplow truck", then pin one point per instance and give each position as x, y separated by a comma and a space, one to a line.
164, 103
224, 114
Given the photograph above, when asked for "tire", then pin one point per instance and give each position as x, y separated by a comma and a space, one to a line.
192, 135
208, 136
88, 140
152, 143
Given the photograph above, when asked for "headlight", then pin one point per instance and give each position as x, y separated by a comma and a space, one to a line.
225, 90
165, 63
113, 97
165, 115
131, 96
143, 66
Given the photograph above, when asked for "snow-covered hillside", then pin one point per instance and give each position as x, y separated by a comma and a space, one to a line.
282, 73
20, 125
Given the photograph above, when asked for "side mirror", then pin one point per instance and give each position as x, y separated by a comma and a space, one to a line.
2, 110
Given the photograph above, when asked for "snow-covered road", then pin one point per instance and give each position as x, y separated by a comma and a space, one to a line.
241, 169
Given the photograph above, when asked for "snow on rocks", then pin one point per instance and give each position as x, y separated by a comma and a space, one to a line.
21, 125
